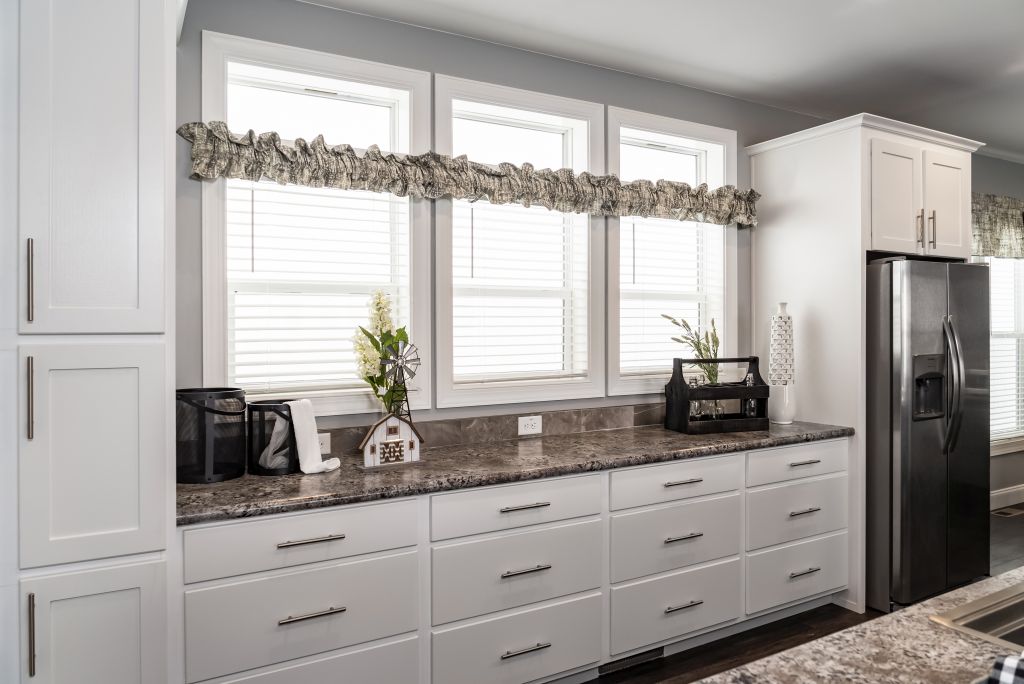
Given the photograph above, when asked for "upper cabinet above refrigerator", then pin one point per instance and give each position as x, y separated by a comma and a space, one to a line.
920, 196
93, 140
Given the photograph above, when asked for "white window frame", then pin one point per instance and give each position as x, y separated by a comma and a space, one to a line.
218, 50
449, 394
618, 384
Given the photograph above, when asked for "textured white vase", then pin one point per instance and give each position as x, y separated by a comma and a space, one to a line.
781, 367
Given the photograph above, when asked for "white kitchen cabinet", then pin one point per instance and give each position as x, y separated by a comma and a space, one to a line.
947, 203
92, 450
94, 110
896, 198
106, 625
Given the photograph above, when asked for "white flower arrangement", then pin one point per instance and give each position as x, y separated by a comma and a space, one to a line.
374, 346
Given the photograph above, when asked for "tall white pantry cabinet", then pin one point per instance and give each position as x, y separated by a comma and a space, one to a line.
88, 333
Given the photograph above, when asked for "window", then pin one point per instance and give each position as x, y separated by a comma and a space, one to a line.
1006, 293
520, 307
664, 266
297, 264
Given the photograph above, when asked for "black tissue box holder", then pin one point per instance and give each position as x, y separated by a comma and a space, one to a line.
753, 400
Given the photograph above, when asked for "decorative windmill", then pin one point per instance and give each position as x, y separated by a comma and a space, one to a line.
400, 365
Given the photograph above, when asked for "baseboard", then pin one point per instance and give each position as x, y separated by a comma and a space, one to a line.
1007, 496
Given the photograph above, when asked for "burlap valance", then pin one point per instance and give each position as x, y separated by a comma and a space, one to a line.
997, 226
216, 153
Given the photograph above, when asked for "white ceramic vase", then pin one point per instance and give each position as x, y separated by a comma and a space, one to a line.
781, 366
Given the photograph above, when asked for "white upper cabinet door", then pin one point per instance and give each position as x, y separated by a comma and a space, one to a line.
92, 451
947, 203
98, 626
896, 220
93, 151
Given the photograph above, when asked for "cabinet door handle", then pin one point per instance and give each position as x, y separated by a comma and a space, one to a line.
933, 222
31, 635
30, 398
523, 651
692, 535
808, 571
525, 571
797, 464
524, 507
30, 273
314, 540
692, 480
691, 604
310, 616
806, 511
919, 224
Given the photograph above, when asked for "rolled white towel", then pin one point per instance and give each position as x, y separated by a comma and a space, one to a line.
306, 439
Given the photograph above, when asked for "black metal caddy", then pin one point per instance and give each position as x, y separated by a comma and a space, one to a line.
753, 400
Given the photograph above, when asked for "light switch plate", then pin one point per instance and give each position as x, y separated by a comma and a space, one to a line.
325, 442
529, 425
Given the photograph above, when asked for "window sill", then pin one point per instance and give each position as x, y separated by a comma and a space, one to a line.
1009, 445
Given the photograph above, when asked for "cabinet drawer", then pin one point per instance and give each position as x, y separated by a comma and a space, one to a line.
248, 624
796, 510
252, 546
653, 610
652, 541
791, 463
796, 571
658, 484
503, 508
473, 578
521, 647
394, 662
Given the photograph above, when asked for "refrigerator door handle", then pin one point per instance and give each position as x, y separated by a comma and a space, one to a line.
955, 366
961, 375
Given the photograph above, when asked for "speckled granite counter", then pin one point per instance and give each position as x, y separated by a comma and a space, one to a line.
475, 465
900, 647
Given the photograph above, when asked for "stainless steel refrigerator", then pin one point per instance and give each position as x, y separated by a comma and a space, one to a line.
927, 428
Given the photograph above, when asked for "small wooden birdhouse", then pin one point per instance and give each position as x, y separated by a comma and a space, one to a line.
392, 439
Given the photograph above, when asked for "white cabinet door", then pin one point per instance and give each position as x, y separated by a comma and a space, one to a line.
896, 223
947, 203
92, 468
93, 145
97, 626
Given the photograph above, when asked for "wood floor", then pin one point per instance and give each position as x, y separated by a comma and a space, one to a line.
1006, 553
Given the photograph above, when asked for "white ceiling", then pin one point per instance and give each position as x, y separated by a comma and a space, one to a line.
952, 65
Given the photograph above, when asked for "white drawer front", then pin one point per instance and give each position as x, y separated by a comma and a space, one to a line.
652, 541
521, 647
792, 462
396, 662
796, 510
796, 571
682, 480
653, 610
478, 577
256, 545
236, 627
503, 508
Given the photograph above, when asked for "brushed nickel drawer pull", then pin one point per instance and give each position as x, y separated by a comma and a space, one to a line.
919, 222
691, 604
692, 535
301, 618
797, 464
524, 507
314, 540
523, 651
806, 511
932, 220
808, 571
31, 635
30, 273
525, 571
30, 396
693, 480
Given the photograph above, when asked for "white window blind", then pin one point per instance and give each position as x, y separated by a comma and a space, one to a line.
303, 262
1007, 346
519, 275
667, 267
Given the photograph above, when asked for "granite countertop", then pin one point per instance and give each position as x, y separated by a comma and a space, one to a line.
904, 646
474, 465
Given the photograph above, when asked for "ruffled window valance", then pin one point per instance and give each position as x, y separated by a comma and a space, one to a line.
217, 153
997, 224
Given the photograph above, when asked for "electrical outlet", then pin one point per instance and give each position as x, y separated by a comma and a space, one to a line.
529, 425
325, 442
